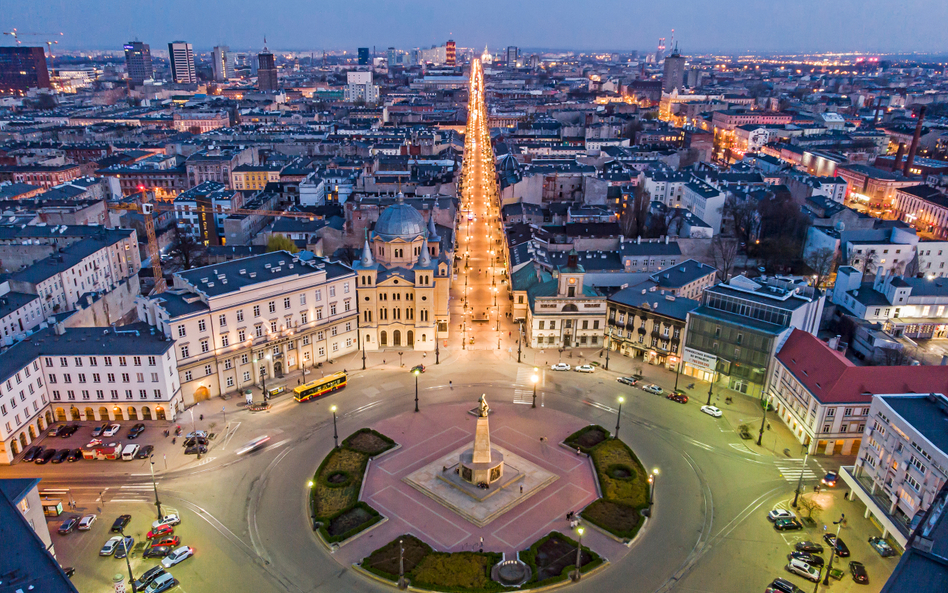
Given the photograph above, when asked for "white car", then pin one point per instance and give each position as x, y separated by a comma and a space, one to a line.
171, 519
177, 556
560, 366
585, 368
780, 514
253, 445
109, 548
801, 568
112, 430
85, 524
652, 388
711, 411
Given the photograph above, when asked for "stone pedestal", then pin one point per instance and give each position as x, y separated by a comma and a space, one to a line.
481, 464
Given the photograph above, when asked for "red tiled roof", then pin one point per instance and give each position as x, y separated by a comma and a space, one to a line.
832, 379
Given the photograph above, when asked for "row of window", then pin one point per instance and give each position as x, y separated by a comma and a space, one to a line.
97, 378
100, 394
222, 317
94, 361
259, 331
568, 324
245, 359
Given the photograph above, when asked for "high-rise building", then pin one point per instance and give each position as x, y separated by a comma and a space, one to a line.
22, 69
363, 56
674, 77
513, 54
391, 57
181, 55
224, 63
361, 87
450, 53
266, 70
138, 62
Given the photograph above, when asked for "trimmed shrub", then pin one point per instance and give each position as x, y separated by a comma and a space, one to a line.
349, 522
587, 438
589, 559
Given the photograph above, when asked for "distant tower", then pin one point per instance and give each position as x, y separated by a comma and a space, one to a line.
674, 76
660, 53
223, 63
512, 55
181, 55
450, 53
266, 70
363, 56
138, 62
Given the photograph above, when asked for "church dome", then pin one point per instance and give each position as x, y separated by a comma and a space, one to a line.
400, 221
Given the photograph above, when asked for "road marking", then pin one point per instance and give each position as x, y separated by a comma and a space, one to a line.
138, 486
603, 407
230, 434
791, 469
742, 448
362, 408
523, 396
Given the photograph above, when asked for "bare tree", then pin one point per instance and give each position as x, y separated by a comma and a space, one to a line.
822, 262
913, 268
635, 214
186, 250
893, 356
723, 254
868, 261
811, 506
742, 215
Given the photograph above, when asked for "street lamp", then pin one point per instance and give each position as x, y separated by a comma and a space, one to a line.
652, 478
618, 416
416, 372
763, 420
131, 577
710, 388
534, 379
829, 567
608, 348
579, 550
335, 433
796, 495
154, 484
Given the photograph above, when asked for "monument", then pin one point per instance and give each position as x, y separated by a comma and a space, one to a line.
481, 465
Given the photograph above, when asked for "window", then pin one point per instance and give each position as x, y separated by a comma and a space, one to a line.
319, 295
346, 305
827, 428
273, 326
244, 359
125, 378
913, 483
140, 377
225, 340
304, 317
207, 369
201, 325
110, 377
222, 320
345, 288
230, 381
184, 351
322, 351
108, 361
332, 291
122, 361
302, 299
63, 361
306, 340
335, 346
205, 346
259, 331
552, 324
78, 361
240, 315
918, 465
246, 376
137, 360
256, 310
332, 308
93, 361
272, 306
67, 378
848, 412
241, 335
152, 361
95, 378
348, 326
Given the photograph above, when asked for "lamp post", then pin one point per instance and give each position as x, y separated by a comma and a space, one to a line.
763, 420
677, 372
335, 433
416, 372
154, 484
437, 350
579, 550
829, 567
652, 479
519, 341
796, 495
618, 416
534, 379
402, 583
710, 388
363, 355
131, 577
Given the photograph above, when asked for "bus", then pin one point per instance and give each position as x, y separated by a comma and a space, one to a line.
320, 387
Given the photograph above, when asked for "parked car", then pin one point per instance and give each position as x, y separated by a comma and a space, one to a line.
74, 455
136, 430
787, 525
200, 434
560, 366
830, 479
124, 547
98, 430
677, 396
145, 452
841, 550
54, 431
196, 450
150, 575
161, 583
628, 380
858, 570
111, 431
69, 570
45, 456
881, 546
60, 456
808, 546
160, 531
182, 553
585, 368
157, 551
68, 525
171, 519
109, 548
811, 559
800, 568
32, 452
652, 388
418, 367
119, 524
191, 441
711, 411
169, 540
85, 524
68, 431
780, 514
784, 586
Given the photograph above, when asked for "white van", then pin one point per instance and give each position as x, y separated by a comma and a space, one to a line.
162, 583
129, 452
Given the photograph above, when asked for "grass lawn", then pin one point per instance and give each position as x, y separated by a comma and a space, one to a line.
438, 571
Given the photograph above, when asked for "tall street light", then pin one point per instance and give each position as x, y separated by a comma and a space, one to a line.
335, 433
710, 388
829, 567
154, 484
131, 577
579, 550
796, 495
652, 479
534, 379
416, 372
618, 416
608, 348
763, 420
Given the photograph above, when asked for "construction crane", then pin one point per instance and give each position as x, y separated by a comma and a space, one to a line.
16, 35
146, 208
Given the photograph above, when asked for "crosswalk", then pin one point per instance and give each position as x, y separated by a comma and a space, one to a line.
524, 396
790, 470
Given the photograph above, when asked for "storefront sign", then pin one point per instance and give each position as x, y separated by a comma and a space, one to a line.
700, 360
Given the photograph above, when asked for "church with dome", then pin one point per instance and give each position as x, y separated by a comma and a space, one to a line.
403, 282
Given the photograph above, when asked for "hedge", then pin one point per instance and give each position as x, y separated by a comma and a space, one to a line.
573, 439
324, 528
458, 572
529, 555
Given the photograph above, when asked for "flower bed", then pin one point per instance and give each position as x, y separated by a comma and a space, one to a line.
437, 571
552, 557
622, 481
586, 438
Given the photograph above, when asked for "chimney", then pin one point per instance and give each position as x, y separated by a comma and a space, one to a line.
912, 149
898, 157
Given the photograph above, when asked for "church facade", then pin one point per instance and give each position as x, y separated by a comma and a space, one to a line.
402, 282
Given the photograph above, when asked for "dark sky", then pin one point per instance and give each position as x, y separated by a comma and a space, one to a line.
700, 25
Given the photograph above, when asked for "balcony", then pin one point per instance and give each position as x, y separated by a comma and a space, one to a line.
897, 525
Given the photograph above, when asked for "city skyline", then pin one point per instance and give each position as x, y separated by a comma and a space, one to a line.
293, 25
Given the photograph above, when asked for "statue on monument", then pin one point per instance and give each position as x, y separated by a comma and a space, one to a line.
484, 408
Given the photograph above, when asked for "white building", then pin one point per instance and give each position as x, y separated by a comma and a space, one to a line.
224, 62
235, 323
87, 373
705, 201
360, 87
903, 460
181, 56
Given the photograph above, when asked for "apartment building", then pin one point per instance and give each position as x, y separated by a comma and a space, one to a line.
924, 207
903, 460
254, 177
216, 164
562, 312
88, 373
910, 307
202, 210
237, 322
648, 323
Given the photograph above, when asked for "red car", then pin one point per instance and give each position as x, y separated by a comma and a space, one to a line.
677, 396
170, 540
160, 531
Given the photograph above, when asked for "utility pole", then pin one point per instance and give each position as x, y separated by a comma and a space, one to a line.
363, 356
710, 389
131, 577
608, 348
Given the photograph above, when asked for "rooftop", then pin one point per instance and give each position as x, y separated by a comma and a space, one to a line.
926, 413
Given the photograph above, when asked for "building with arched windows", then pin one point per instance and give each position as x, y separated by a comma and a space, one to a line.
403, 279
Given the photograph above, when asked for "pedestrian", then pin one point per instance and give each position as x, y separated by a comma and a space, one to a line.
578, 451
521, 488
451, 384
202, 416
